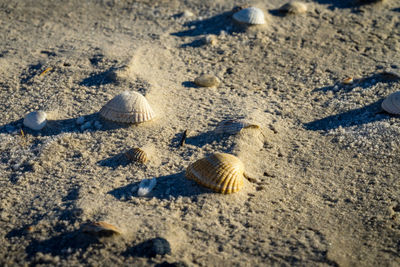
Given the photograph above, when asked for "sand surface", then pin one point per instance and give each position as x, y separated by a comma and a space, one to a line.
324, 166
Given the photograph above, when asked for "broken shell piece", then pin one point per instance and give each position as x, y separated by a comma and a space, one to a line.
293, 8
251, 15
136, 154
234, 126
392, 103
221, 172
146, 186
348, 80
35, 120
129, 107
207, 80
101, 229
210, 39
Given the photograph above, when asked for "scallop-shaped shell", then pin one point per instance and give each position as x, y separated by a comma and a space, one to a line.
234, 126
293, 8
101, 229
220, 171
130, 107
35, 120
136, 154
207, 80
392, 103
251, 15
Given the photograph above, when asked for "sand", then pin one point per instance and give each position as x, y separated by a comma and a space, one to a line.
323, 166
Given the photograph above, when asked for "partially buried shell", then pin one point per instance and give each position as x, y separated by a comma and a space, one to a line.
207, 80
392, 103
251, 15
35, 120
221, 172
129, 107
136, 154
101, 229
234, 126
294, 7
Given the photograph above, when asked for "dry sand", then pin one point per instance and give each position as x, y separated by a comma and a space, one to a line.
325, 164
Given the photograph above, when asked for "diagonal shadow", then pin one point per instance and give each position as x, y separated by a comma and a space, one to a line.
212, 25
115, 161
332, 4
97, 79
382, 77
359, 116
173, 185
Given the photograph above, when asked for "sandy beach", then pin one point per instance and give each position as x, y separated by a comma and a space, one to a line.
322, 166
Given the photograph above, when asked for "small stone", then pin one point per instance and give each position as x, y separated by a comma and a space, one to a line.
207, 80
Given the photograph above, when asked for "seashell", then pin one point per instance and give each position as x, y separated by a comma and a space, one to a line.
293, 8
251, 15
210, 39
101, 229
234, 126
136, 154
207, 80
348, 80
220, 171
130, 107
146, 186
392, 103
35, 120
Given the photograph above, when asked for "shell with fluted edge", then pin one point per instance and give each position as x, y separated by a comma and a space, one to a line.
128, 107
250, 15
136, 154
222, 172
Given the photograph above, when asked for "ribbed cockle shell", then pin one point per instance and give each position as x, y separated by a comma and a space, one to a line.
130, 107
221, 172
136, 154
234, 126
251, 15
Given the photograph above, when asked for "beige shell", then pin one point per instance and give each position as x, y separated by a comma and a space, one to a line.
234, 126
220, 171
136, 154
130, 107
35, 120
251, 15
101, 229
207, 80
293, 8
392, 103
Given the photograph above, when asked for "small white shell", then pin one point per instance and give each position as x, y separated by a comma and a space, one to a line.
233, 126
35, 120
251, 15
293, 8
146, 186
392, 103
130, 107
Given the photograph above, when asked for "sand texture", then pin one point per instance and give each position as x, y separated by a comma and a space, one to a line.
322, 168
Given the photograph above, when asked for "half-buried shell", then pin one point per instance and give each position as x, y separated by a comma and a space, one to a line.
234, 126
392, 103
251, 15
136, 154
221, 172
294, 7
129, 107
35, 120
101, 229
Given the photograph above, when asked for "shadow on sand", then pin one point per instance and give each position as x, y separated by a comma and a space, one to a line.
359, 116
345, 3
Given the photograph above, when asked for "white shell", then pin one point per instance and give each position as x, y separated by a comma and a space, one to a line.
251, 15
130, 107
35, 120
146, 186
392, 103
233, 126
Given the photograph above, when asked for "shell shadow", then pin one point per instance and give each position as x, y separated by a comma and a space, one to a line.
212, 25
364, 83
173, 185
332, 4
97, 79
63, 244
55, 127
211, 137
189, 84
115, 161
359, 116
